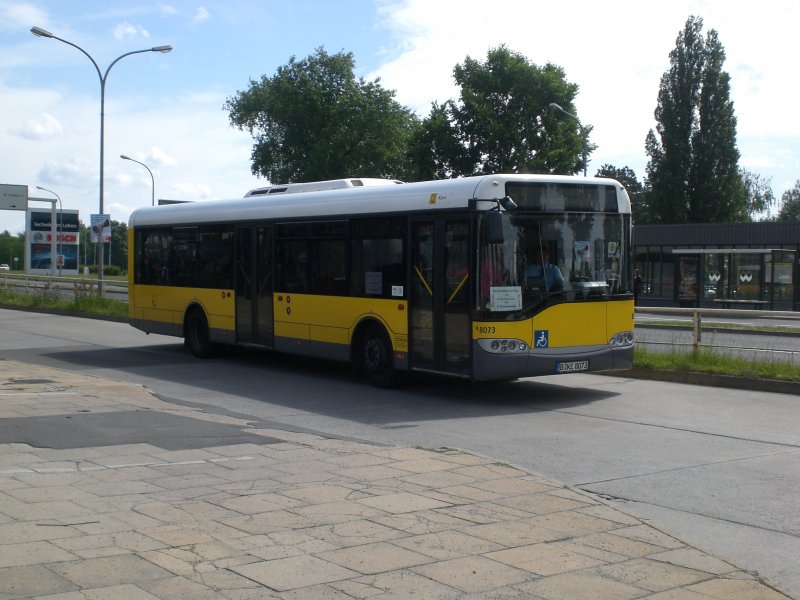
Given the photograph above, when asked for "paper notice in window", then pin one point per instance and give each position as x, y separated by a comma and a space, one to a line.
505, 298
373, 282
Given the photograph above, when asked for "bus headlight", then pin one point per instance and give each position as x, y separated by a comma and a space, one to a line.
621, 339
503, 346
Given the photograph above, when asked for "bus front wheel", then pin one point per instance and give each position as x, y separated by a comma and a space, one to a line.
197, 337
376, 357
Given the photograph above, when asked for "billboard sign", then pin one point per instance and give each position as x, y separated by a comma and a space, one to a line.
100, 228
38, 241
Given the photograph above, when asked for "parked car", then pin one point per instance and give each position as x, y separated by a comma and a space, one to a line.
4, 267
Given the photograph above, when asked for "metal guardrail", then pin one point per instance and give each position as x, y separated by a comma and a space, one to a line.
720, 312
696, 315
77, 286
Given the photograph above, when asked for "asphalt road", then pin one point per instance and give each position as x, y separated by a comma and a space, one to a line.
720, 468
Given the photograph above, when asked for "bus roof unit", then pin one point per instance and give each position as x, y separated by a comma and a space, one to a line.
319, 186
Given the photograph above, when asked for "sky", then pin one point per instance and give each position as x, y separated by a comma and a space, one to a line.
166, 110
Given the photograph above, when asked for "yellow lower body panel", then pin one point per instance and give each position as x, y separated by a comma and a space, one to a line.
163, 308
333, 320
568, 325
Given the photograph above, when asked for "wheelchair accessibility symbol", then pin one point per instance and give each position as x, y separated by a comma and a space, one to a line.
541, 338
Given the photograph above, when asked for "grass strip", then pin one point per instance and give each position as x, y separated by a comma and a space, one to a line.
709, 361
79, 304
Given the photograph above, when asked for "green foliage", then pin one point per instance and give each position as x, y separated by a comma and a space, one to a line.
47, 300
12, 246
435, 151
693, 174
117, 252
314, 120
501, 122
760, 197
118, 249
111, 270
790, 204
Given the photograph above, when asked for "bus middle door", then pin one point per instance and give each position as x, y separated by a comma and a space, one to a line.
254, 313
439, 307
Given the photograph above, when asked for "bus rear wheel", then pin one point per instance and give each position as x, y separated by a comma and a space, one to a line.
197, 337
376, 357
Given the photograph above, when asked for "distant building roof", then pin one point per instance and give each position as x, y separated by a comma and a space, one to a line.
718, 234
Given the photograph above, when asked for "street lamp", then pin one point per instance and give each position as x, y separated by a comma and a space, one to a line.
556, 108
60, 224
39, 32
152, 180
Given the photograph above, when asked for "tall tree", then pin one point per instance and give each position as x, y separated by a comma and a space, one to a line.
759, 194
790, 204
12, 246
501, 121
693, 174
314, 120
627, 177
117, 253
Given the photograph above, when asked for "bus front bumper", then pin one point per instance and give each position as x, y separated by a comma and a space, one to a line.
489, 366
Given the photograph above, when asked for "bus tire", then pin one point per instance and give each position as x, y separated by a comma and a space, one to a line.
377, 360
197, 337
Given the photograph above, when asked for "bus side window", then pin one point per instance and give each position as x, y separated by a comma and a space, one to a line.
292, 261
378, 268
329, 269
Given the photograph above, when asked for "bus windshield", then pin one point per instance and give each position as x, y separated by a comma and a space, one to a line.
552, 258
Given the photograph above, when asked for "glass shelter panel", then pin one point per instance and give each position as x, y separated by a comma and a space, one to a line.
780, 279
715, 284
746, 276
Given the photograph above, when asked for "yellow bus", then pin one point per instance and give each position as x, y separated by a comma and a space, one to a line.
491, 277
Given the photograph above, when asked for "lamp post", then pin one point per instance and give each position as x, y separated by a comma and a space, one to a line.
39, 32
59, 226
152, 180
556, 108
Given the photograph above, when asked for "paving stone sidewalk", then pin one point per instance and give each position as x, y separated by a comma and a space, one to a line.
305, 517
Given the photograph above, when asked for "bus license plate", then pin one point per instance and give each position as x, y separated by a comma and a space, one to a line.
572, 367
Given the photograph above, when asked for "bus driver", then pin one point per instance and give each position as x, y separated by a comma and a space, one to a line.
541, 274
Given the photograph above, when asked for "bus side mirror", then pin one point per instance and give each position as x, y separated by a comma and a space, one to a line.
494, 227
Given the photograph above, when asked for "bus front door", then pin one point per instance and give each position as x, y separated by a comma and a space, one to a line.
254, 324
439, 307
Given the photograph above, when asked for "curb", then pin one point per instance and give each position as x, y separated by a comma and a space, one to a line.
711, 380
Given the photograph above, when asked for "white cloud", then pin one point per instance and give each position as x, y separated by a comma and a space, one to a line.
190, 191
77, 171
14, 15
160, 157
121, 179
201, 14
44, 128
127, 31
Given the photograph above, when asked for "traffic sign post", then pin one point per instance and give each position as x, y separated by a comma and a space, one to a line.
13, 197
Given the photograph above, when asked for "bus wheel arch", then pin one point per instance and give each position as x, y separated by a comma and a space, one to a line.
372, 353
196, 335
